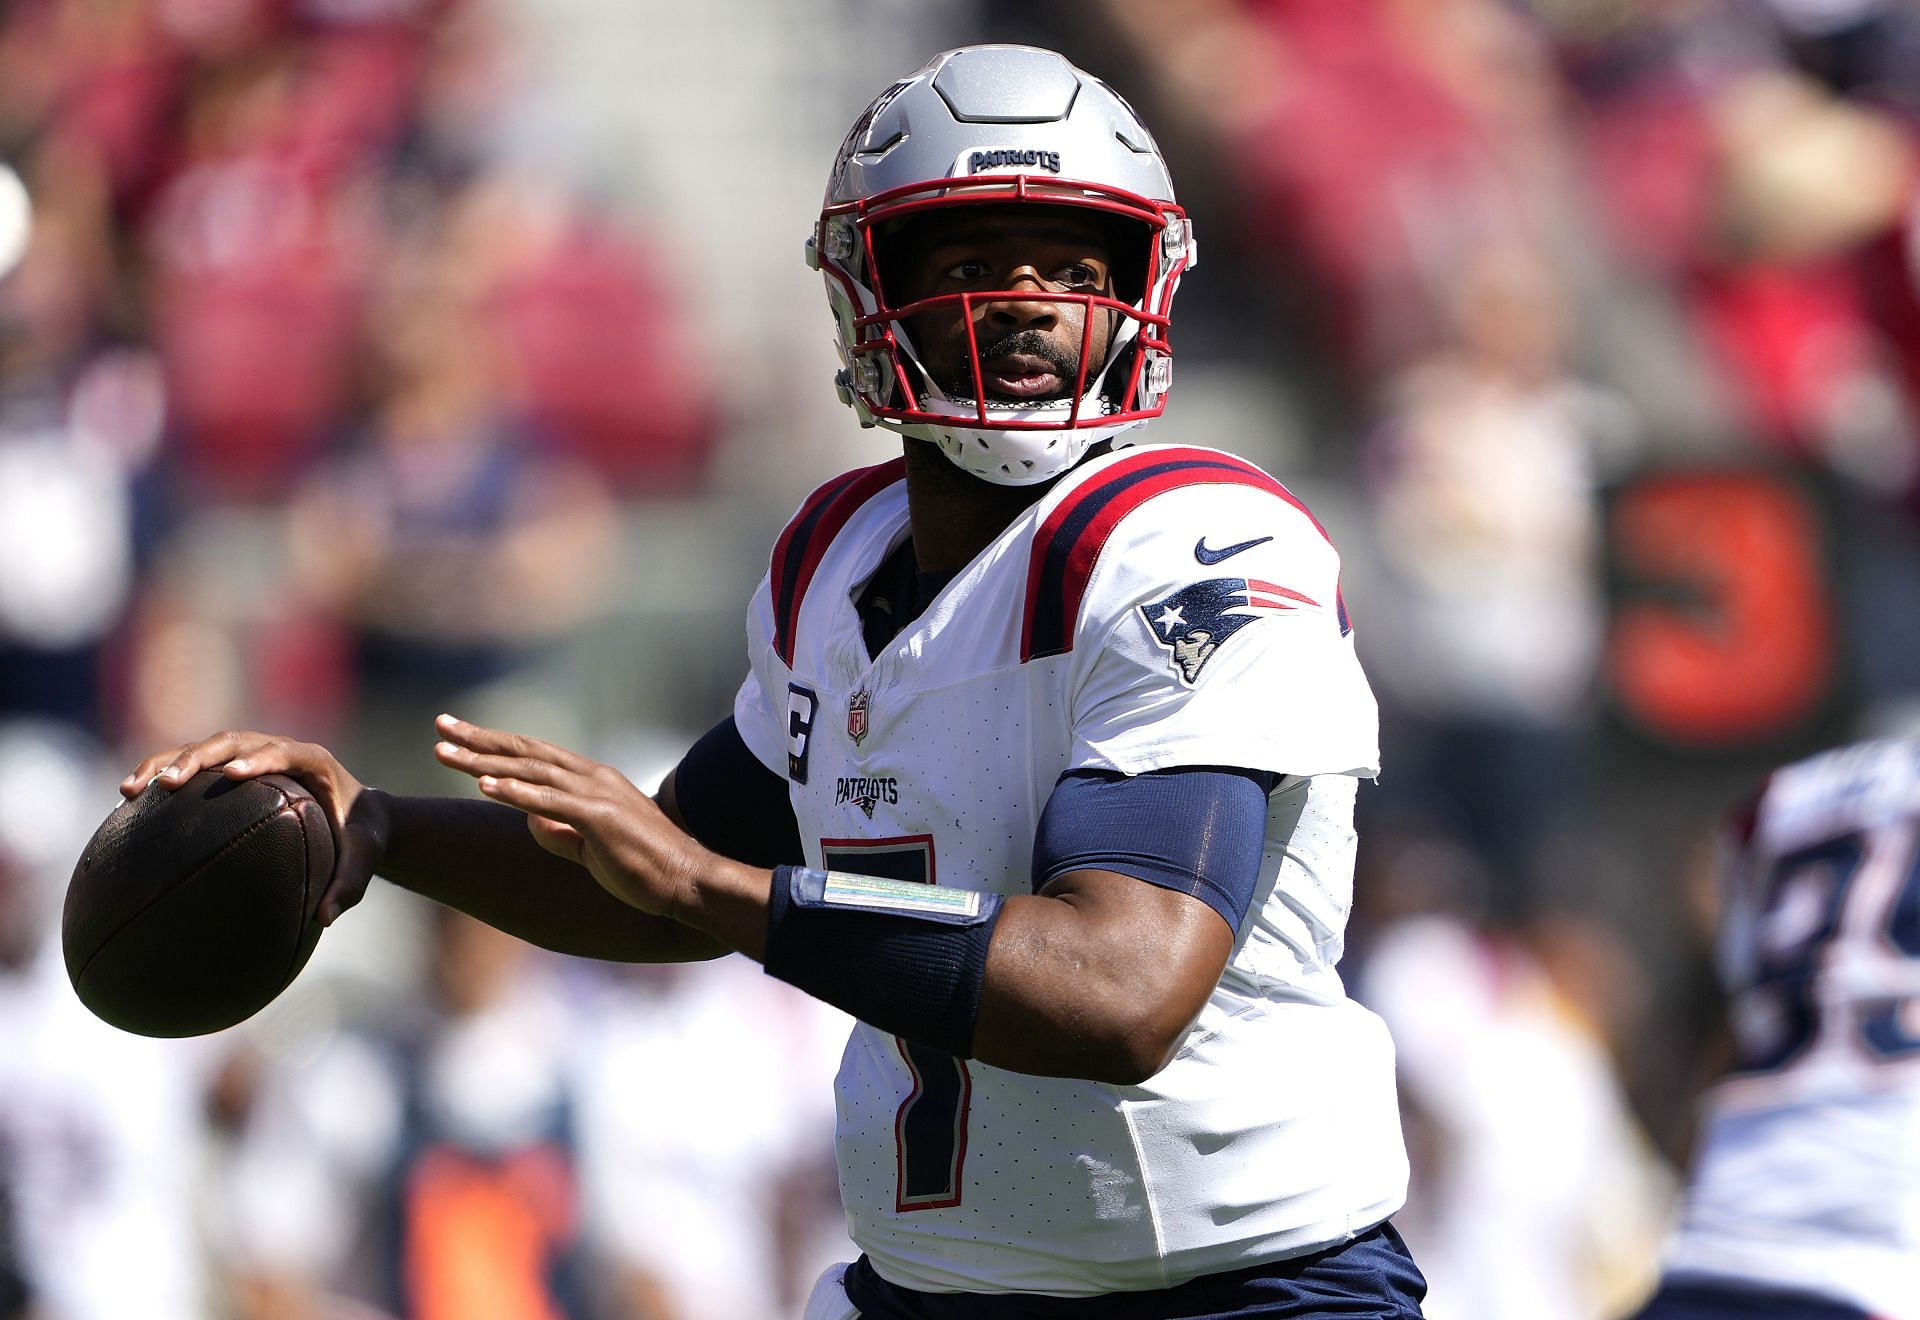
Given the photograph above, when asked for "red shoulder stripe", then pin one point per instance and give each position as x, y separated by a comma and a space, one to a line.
797, 553
1068, 543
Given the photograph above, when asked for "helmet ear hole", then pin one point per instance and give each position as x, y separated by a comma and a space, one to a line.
1128, 242
894, 245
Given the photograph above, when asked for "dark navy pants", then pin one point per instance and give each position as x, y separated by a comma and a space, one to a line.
1370, 1278
1699, 1299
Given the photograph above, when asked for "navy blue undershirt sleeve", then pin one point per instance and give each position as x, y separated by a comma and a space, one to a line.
735, 805
1198, 830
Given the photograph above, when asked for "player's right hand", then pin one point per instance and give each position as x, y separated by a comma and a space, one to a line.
359, 817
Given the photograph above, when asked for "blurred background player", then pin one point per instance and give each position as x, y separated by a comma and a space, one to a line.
500, 1145
706, 1201
1804, 1197
1535, 1194
426, 1157
99, 1130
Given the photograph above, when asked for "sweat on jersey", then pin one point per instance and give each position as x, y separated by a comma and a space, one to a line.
1159, 607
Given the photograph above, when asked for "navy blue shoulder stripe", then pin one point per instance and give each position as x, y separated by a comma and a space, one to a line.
797, 554
1068, 543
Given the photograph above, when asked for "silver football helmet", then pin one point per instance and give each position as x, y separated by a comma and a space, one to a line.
999, 125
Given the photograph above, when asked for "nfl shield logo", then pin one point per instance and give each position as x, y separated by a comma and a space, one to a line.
857, 717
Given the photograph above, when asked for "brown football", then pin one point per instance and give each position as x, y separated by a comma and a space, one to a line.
191, 909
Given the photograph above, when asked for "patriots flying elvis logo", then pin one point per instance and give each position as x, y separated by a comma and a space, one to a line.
1197, 620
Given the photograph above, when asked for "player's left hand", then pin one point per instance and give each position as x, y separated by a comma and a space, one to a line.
579, 809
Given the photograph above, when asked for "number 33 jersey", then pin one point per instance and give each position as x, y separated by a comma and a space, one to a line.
1808, 1171
1157, 608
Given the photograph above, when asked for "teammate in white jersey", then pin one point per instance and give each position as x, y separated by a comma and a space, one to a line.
1804, 1198
1043, 769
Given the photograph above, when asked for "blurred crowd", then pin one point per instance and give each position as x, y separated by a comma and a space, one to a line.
335, 391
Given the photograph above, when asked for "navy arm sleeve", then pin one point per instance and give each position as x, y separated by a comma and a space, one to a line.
1196, 829
735, 805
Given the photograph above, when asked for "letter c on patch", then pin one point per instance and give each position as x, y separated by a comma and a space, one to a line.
801, 705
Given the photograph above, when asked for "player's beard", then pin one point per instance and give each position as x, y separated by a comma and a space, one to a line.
1027, 343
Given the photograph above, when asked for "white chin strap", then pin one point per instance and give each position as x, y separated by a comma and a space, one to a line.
1015, 457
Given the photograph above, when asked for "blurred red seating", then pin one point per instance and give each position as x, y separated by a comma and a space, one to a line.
606, 365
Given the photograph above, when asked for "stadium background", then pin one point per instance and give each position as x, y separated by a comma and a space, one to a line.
365, 358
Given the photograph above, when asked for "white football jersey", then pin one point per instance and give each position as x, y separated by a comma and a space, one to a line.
1808, 1171
1159, 607
100, 1139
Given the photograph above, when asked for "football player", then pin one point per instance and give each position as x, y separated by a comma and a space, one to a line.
1804, 1198
1044, 769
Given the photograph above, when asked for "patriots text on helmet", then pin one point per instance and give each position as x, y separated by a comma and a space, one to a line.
993, 160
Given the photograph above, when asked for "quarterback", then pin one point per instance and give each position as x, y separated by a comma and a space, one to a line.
1043, 769
1804, 1199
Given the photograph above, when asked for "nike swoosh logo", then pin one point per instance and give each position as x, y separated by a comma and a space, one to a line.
1207, 556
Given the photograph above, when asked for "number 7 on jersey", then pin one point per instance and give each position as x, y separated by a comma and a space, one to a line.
930, 1130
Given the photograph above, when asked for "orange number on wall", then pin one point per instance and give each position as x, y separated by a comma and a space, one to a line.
1739, 645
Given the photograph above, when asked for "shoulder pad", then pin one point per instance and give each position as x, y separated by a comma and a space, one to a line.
796, 555
1067, 544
